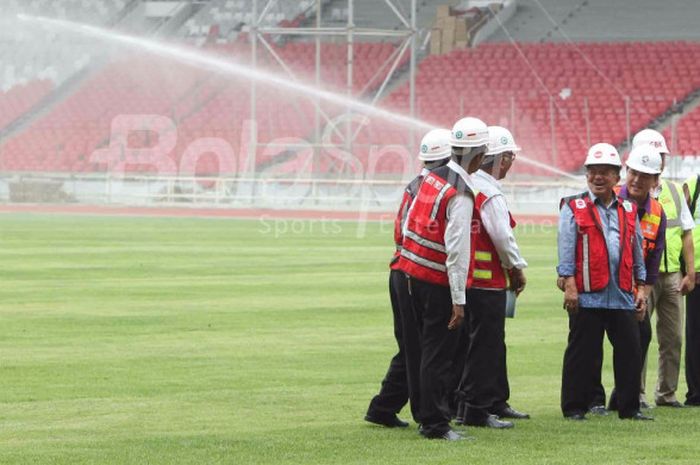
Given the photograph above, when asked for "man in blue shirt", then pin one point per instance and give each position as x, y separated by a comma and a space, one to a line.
601, 261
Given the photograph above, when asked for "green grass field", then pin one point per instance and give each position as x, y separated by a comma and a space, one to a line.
202, 341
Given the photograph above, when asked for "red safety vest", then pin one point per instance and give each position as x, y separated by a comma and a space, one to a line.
408, 195
486, 271
649, 224
592, 269
423, 255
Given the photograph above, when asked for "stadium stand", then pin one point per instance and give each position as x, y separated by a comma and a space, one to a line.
21, 98
58, 57
497, 80
558, 97
686, 141
600, 20
222, 20
203, 105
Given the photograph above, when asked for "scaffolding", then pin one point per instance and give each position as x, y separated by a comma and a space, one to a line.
407, 33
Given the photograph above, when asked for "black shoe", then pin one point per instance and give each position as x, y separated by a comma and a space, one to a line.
599, 410
449, 435
510, 412
674, 404
576, 417
490, 421
389, 421
639, 416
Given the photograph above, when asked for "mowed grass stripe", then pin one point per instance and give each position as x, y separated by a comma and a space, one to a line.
170, 340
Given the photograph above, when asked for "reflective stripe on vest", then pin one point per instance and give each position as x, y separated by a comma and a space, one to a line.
586, 265
649, 223
592, 256
439, 198
671, 202
408, 196
486, 270
423, 255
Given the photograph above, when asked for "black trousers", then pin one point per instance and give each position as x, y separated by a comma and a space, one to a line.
692, 346
644, 342
400, 381
432, 305
484, 385
581, 372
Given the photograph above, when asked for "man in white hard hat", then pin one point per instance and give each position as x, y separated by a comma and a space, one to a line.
666, 297
401, 380
643, 169
601, 261
435, 255
691, 188
498, 266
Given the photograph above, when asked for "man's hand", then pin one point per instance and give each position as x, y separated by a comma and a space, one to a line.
561, 281
457, 317
570, 295
640, 303
517, 281
687, 284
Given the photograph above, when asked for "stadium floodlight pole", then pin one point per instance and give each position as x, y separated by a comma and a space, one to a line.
553, 130
350, 65
587, 112
412, 75
253, 146
627, 120
316, 161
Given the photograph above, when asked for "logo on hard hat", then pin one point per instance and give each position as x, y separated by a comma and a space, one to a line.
598, 154
459, 134
504, 140
645, 159
655, 143
424, 148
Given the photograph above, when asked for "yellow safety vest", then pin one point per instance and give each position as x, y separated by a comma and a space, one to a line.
692, 184
670, 199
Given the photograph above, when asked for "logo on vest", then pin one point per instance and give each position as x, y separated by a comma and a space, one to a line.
627, 206
438, 185
580, 203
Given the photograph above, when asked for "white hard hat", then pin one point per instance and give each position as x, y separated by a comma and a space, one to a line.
500, 141
435, 145
651, 137
645, 159
603, 154
469, 132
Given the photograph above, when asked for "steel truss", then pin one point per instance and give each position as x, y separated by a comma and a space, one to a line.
407, 32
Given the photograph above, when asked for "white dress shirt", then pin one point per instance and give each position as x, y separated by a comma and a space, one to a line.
458, 238
496, 221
